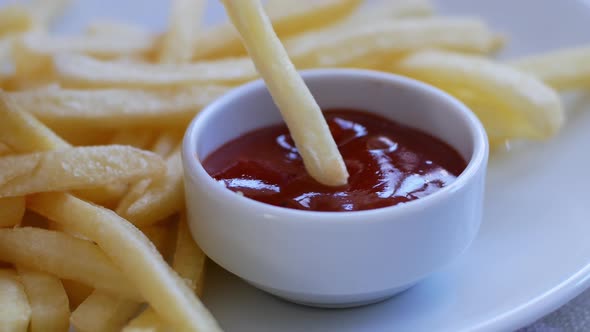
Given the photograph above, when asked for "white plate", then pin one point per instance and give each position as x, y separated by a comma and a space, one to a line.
532, 254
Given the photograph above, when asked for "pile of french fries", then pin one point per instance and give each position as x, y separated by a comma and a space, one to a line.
92, 227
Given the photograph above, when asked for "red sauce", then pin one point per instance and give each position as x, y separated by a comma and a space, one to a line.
388, 164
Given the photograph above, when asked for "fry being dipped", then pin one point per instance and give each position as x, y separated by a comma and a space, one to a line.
302, 114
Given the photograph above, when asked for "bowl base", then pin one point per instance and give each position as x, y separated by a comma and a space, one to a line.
334, 301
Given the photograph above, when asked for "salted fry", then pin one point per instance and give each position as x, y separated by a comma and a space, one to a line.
162, 198
189, 259
24, 133
16, 311
287, 17
166, 143
189, 262
64, 256
147, 321
75, 168
180, 40
115, 108
301, 113
562, 69
77, 292
83, 71
12, 210
129, 249
388, 38
102, 312
50, 311
522, 105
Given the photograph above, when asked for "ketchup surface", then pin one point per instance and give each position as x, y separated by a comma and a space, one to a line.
388, 164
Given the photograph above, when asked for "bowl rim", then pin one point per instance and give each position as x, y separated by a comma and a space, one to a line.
195, 170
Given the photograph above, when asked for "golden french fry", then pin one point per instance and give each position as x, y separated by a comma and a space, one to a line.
5, 55
522, 105
288, 18
82, 71
166, 143
134, 254
162, 198
23, 133
147, 321
102, 312
14, 18
301, 113
75, 168
180, 40
38, 49
64, 256
189, 259
114, 108
50, 311
562, 69
16, 311
390, 38
12, 210
5, 150
77, 292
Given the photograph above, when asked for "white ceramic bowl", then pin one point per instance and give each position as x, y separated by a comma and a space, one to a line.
336, 259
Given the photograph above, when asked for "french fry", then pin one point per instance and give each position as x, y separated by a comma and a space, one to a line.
50, 311
565, 69
114, 108
523, 106
162, 198
12, 210
102, 312
189, 259
134, 254
386, 38
77, 292
180, 40
24, 133
14, 18
82, 71
301, 113
189, 262
75, 168
39, 49
166, 143
147, 321
64, 256
288, 18
5, 150
16, 312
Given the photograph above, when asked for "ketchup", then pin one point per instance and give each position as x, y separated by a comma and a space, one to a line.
388, 164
